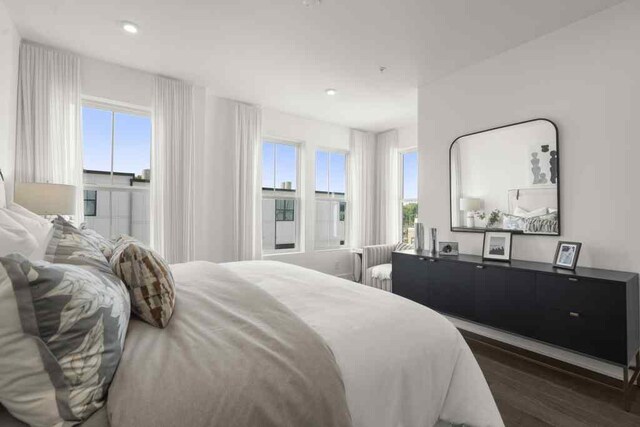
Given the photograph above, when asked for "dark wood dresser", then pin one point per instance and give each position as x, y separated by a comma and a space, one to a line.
591, 311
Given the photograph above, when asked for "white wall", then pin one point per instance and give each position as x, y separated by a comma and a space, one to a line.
314, 135
583, 77
408, 137
9, 52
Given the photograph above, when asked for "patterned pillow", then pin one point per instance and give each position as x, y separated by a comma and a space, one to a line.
402, 246
62, 331
148, 278
71, 246
105, 245
513, 222
547, 224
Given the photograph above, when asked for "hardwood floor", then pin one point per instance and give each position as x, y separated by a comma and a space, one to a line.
530, 394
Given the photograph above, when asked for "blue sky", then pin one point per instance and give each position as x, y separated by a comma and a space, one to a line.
132, 136
410, 172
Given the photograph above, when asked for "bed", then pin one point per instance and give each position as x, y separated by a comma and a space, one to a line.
401, 363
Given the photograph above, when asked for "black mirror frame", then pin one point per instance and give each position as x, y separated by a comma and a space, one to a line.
517, 232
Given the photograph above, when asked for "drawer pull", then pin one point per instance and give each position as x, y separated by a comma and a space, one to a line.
432, 260
573, 279
480, 267
421, 258
574, 314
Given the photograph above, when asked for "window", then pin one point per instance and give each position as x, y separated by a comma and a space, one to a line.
331, 205
117, 169
90, 202
280, 197
409, 203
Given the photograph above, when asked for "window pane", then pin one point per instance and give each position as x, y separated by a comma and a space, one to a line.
279, 226
410, 175
409, 215
132, 145
96, 139
268, 177
330, 224
286, 165
337, 172
322, 171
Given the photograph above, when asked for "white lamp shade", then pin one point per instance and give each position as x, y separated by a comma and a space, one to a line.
470, 204
47, 199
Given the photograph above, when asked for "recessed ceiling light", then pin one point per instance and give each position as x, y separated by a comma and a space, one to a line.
330, 92
311, 3
130, 27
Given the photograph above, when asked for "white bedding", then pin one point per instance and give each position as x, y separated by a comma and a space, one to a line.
403, 364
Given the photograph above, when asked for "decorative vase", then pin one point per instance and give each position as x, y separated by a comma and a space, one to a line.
433, 238
419, 240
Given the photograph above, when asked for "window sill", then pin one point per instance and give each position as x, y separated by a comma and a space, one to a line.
277, 254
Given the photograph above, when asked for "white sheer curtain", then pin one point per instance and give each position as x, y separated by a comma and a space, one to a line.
387, 188
247, 216
172, 170
361, 207
48, 142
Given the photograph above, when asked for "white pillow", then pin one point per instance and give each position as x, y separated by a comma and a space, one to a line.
381, 272
526, 214
15, 238
39, 228
3, 195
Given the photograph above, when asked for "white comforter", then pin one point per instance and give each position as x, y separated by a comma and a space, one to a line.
403, 364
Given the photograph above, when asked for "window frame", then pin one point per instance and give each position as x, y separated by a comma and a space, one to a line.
94, 200
283, 194
330, 195
402, 200
113, 107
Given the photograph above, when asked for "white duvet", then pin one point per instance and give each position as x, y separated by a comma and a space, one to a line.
403, 364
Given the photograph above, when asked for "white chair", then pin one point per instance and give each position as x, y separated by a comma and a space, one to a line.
376, 265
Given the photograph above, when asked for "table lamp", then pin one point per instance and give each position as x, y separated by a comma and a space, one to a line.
471, 205
46, 199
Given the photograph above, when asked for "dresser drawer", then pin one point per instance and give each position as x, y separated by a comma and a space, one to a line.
599, 336
585, 296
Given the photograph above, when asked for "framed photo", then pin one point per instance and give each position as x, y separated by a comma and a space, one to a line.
567, 255
497, 246
448, 248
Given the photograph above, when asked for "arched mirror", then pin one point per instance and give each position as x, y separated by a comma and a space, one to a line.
507, 178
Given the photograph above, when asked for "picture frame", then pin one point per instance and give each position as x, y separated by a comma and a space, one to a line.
448, 248
567, 254
496, 246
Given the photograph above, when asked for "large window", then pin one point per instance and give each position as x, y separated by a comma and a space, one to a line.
409, 203
280, 197
331, 205
117, 170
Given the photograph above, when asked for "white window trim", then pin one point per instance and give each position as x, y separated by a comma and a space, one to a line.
113, 107
295, 195
402, 200
329, 196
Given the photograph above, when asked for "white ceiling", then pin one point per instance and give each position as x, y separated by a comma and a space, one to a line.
282, 55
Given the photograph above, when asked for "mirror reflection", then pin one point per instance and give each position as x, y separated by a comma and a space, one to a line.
506, 179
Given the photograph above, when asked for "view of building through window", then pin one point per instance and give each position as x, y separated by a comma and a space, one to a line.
409, 166
331, 205
280, 199
117, 171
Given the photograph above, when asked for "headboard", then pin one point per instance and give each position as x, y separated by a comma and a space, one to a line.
532, 198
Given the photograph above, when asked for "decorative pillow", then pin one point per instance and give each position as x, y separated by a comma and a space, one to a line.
62, 331
14, 237
512, 222
69, 245
402, 246
105, 245
39, 228
148, 278
381, 272
547, 224
529, 214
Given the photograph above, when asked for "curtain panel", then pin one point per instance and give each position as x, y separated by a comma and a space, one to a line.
247, 215
173, 165
387, 188
48, 140
361, 210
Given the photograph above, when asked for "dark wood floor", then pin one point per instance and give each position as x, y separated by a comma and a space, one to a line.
530, 394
